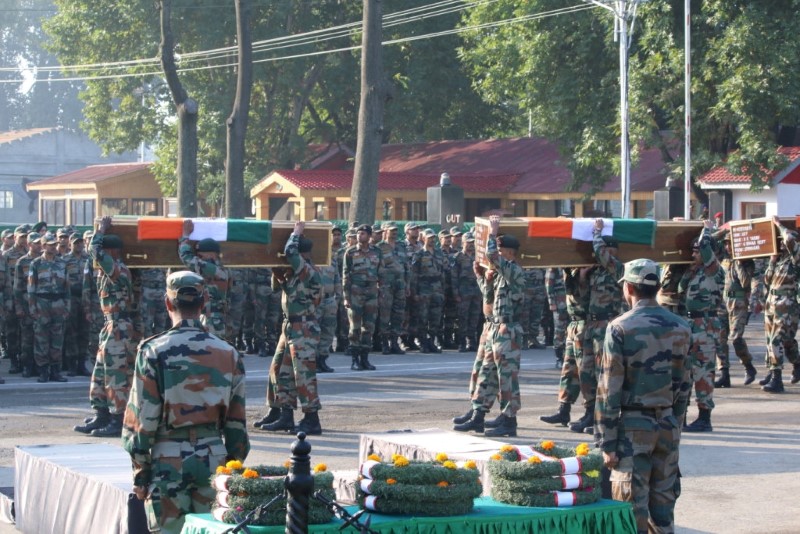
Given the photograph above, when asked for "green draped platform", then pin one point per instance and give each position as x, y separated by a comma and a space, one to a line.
488, 517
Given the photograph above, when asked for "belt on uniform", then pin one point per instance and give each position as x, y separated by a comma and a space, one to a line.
192, 433
50, 296
735, 294
577, 317
599, 316
301, 318
499, 319
782, 292
656, 413
698, 314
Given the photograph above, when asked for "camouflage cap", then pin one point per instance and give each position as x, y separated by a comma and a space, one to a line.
410, 226
87, 235
39, 226
389, 226
186, 286
22, 229
428, 233
641, 272
455, 230
6, 233
75, 237
444, 233
46, 239
351, 233
335, 229
62, 232
34, 237
469, 237
377, 229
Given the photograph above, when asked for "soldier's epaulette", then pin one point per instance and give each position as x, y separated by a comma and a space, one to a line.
142, 342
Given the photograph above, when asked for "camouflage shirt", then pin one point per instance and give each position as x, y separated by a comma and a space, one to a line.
427, 268
75, 264
361, 268
48, 277
217, 281
302, 290
20, 281
509, 284
114, 281
554, 287
605, 296
463, 275
577, 292
781, 276
699, 283
738, 278
396, 261
11, 256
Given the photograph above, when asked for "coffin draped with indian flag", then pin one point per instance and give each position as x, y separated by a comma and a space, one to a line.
153, 241
565, 242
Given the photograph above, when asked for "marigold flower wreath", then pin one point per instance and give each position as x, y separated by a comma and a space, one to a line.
556, 476
437, 488
241, 490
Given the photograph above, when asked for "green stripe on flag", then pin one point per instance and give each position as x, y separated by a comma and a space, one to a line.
250, 231
639, 231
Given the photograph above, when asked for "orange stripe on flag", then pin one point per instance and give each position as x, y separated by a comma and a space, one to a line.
561, 228
166, 228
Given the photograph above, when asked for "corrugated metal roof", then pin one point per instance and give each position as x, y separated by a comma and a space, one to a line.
721, 175
93, 174
326, 180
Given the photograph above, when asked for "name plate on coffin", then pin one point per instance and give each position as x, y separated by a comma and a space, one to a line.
672, 243
753, 238
164, 252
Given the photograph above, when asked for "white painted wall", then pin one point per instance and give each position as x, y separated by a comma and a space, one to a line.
739, 196
788, 200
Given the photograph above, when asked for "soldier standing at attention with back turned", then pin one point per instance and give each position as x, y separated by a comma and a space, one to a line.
186, 413
642, 393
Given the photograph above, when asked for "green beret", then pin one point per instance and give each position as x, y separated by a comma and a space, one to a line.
39, 226
305, 245
112, 241
208, 245
508, 241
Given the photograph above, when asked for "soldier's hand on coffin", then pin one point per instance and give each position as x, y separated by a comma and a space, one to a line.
598, 225
188, 227
105, 224
299, 226
494, 224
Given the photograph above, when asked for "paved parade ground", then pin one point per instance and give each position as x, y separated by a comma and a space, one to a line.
742, 477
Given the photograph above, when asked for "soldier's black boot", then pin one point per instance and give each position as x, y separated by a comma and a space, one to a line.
702, 423
356, 354
584, 422
559, 357
272, 415
775, 385
795, 373
322, 364
55, 375
434, 348
749, 373
309, 424
534, 344
16, 365
44, 374
285, 421
386, 347
494, 423
408, 343
249, 347
507, 427
561, 417
724, 380
764, 381
100, 419
262, 349
474, 424
112, 429
461, 419
395, 346
28, 370
462, 345
365, 361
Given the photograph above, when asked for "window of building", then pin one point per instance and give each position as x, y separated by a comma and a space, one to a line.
6, 199
114, 206
546, 208
417, 211
82, 211
54, 212
643, 209
754, 210
519, 208
144, 206
343, 210
319, 211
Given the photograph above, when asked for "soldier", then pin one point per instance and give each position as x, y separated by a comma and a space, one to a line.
698, 285
62, 235
186, 413
342, 324
394, 289
781, 310
12, 318
206, 262
256, 307
412, 245
361, 275
48, 299
7, 239
642, 393
377, 334
237, 292
557, 300
502, 339
467, 293
22, 305
427, 292
449, 308
293, 372
535, 297
76, 336
736, 297
668, 294
117, 341
327, 311
93, 314
152, 309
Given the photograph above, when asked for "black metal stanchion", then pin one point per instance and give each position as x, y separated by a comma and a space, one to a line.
299, 485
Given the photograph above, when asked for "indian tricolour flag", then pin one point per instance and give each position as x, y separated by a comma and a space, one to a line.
242, 230
639, 231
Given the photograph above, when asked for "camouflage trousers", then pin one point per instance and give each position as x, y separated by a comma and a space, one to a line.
732, 329
532, 308
25, 340
180, 485
293, 372
429, 306
577, 365
48, 331
362, 314
214, 321
274, 314
12, 326
501, 359
113, 368
560, 322
392, 307
780, 327
76, 336
469, 313
153, 312
701, 351
234, 315
256, 306
326, 318
342, 323
488, 374
647, 473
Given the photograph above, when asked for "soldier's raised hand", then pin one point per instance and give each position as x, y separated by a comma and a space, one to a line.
494, 224
188, 227
105, 224
299, 227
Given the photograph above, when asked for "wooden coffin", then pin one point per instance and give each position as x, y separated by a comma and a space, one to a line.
756, 238
164, 252
672, 245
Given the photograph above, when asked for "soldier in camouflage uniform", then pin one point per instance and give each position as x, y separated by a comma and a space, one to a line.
668, 294
22, 305
361, 276
327, 311
342, 324
427, 292
699, 285
237, 292
535, 297
503, 338
467, 293
450, 307
152, 310
413, 245
76, 336
117, 342
49, 301
186, 413
557, 300
293, 372
781, 310
394, 289
736, 298
377, 335
93, 314
642, 394
12, 316
206, 262
259, 293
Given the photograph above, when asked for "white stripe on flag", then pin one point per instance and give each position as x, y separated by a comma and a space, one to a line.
583, 228
213, 228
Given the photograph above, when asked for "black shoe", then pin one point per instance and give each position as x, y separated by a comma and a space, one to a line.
507, 428
386, 346
795, 374
561, 417
356, 365
285, 422
701, 424
750, 374
112, 430
496, 422
409, 344
433, 348
396, 347
764, 381
16, 368
534, 344
461, 419
273, 415
365, 365
724, 380
100, 419
55, 376
775, 385
309, 424
584, 422
322, 364
44, 374
475, 424
27, 371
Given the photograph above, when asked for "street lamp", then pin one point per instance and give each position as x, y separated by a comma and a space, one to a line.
624, 14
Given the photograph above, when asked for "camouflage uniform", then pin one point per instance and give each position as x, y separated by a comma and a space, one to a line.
467, 293
642, 395
668, 294
394, 285
93, 314
25, 319
412, 310
76, 338
342, 324
237, 292
48, 298
449, 306
185, 417
362, 272
575, 361
152, 310
256, 306
217, 281
557, 298
736, 299
535, 298
427, 292
12, 317
327, 311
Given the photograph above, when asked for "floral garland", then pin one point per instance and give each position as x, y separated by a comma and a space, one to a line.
547, 499
437, 488
509, 465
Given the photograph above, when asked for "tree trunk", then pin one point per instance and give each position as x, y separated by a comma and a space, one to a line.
187, 110
236, 205
364, 192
